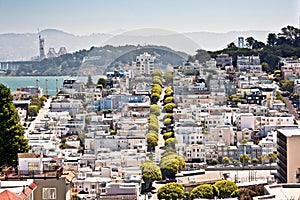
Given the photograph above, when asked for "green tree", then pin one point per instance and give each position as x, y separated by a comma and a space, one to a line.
244, 158
155, 97
271, 39
153, 126
169, 107
168, 135
12, 140
171, 164
169, 90
102, 81
150, 173
168, 116
33, 110
171, 142
287, 85
170, 191
255, 160
155, 109
157, 72
168, 76
225, 160
231, 46
206, 191
249, 42
214, 161
167, 121
225, 188
156, 88
152, 141
169, 100
157, 80
272, 157
89, 81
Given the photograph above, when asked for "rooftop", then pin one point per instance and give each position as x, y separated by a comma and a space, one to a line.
289, 132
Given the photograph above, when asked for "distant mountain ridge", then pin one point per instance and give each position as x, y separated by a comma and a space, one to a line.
24, 46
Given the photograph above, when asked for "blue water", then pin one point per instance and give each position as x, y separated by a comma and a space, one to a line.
52, 81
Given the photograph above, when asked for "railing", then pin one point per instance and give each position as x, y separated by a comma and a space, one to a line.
34, 174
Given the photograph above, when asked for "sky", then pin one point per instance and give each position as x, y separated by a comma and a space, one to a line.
85, 17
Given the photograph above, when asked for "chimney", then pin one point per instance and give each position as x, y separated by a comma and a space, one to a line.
23, 191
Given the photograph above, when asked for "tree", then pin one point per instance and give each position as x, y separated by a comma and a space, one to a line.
171, 142
167, 121
168, 116
214, 161
171, 164
272, 157
155, 97
168, 135
156, 88
157, 80
168, 76
170, 191
169, 100
244, 158
206, 191
158, 73
89, 81
287, 85
169, 90
155, 109
152, 141
232, 45
225, 160
33, 110
202, 56
154, 127
102, 81
169, 107
255, 161
150, 173
271, 39
225, 188
12, 140
249, 42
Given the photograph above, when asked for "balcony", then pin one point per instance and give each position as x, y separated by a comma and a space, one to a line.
10, 174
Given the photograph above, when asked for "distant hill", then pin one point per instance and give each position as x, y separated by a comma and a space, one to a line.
25, 46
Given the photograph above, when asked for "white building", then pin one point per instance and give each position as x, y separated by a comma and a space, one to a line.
144, 64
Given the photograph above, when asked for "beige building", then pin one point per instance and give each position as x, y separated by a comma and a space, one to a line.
288, 162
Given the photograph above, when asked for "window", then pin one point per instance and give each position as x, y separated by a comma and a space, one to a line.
33, 166
49, 193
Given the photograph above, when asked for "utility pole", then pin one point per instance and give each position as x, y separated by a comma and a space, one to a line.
46, 87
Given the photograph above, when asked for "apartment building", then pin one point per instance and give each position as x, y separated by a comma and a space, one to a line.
288, 162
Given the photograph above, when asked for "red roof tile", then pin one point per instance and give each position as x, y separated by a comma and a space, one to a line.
8, 195
28, 155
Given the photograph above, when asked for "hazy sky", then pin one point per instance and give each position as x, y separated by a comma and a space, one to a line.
83, 17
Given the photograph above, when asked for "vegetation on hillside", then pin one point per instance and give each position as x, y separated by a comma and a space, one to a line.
12, 140
284, 44
97, 60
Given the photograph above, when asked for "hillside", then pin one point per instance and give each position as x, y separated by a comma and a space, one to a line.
98, 59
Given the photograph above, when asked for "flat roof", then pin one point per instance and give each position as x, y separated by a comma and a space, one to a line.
284, 191
289, 132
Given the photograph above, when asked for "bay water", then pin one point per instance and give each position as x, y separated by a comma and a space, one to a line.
53, 82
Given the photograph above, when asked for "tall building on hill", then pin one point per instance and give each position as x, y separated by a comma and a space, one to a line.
144, 64
288, 160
